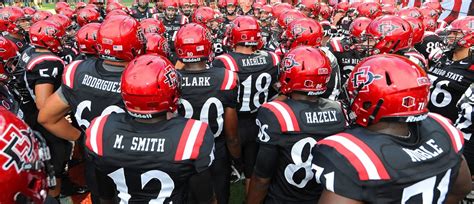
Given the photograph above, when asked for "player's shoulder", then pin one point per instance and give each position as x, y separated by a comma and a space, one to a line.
43, 60
280, 116
337, 44
72, 70
194, 135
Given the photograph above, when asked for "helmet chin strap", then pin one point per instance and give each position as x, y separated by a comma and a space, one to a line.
374, 113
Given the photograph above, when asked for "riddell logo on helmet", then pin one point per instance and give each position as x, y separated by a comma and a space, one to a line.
417, 118
138, 115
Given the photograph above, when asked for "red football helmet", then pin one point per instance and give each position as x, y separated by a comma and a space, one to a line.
29, 12
170, 3
429, 12
151, 25
435, 4
150, 86
289, 16
388, 86
40, 15
389, 9
304, 69
325, 11
80, 5
304, 31
245, 30
67, 12
460, 33
358, 27
280, 8
23, 177
8, 58
155, 43
10, 17
61, 5
312, 6
417, 27
193, 43
86, 38
62, 20
342, 7
186, 7
88, 15
47, 34
117, 12
120, 38
113, 6
204, 15
389, 33
410, 11
370, 10
430, 24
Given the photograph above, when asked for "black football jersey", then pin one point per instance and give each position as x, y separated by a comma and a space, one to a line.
431, 41
377, 168
91, 91
465, 113
172, 27
347, 57
22, 44
139, 15
42, 68
449, 81
149, 163
257, 74
294, 128
69, 54
206, 93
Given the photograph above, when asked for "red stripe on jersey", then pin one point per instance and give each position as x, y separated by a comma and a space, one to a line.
276, 59
471, 67
95, 134
350, 156
285, 116
31, 64
373, 157
456, 136
199, 140
336, 45
69, 73
229, 62
292, 115
230, 80
183, 140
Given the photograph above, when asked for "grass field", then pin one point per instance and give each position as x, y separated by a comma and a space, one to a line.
237, 193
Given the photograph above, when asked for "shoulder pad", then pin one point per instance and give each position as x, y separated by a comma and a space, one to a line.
94, 134
191, 140
456, 136
275, 58
229, 62
436, 54
43, 58
285, 116
230, 80
364, 160
336, 44
69, 73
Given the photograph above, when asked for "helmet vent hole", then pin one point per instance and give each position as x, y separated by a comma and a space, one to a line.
366, 105
388, 79
287, 80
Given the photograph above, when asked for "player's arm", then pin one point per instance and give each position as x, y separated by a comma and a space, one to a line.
328, 197
462, 185
265, 164
231, 136
51, 117
42, 92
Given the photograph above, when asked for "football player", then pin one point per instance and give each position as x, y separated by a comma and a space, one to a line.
210, 95
87, 40
172, 20
142, 10
26, 173
209, 18
230, 10
17, 26
186, 7
9, 96
349, 50
289, 129
398, 152
145, 155
246, 8
91, 87
257, 71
